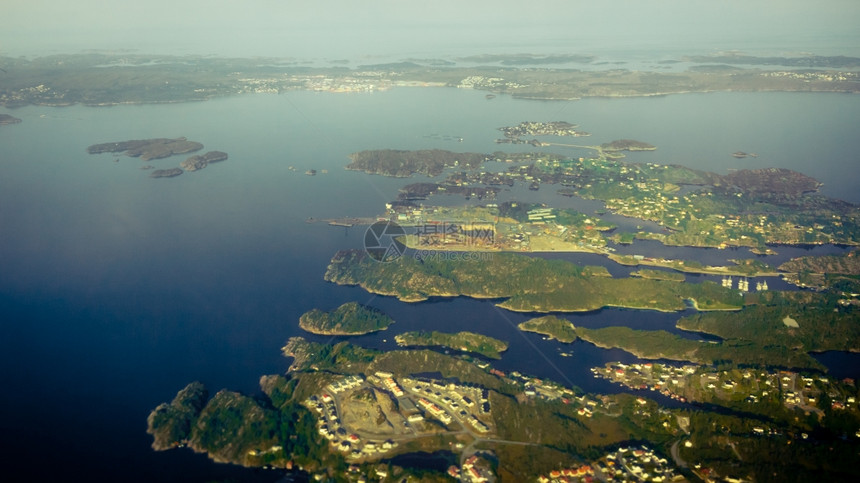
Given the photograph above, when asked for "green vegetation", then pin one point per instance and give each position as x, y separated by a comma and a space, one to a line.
659, 344
838, 272
350, 318
658, 275
309, 355
757, 335
531, 433
234, 428
528, 284
147, 149
551, 326
400, 163
462, 341
823, 324
170, 424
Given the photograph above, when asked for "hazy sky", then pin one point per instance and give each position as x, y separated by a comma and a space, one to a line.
368, 28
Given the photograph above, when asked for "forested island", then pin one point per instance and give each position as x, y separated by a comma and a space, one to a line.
461, 341
350, 318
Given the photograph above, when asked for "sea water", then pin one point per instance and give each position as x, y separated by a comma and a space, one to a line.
116, 290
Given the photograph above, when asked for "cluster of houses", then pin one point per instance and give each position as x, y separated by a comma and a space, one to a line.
460, 400
624, 464
330, 426
475, 470
792, 389
667, 379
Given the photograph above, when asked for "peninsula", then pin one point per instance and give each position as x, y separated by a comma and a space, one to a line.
551, 326
461, 341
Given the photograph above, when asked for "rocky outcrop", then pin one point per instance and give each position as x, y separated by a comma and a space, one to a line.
200, 161
166, 173
170, 424
7, 119
232, 427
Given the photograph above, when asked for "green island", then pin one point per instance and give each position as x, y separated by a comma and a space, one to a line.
551, 326
92, 78
350, 318
461, 341
342, 409
528, 284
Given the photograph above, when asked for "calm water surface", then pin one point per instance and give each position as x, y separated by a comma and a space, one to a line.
116, 290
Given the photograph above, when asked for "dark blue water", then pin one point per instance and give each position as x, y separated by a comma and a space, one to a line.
117, 290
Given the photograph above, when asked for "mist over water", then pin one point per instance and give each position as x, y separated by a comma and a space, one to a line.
391, 30
117, 289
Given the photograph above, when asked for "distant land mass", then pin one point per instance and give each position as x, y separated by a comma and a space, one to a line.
527, 59
91, 79
811, 61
